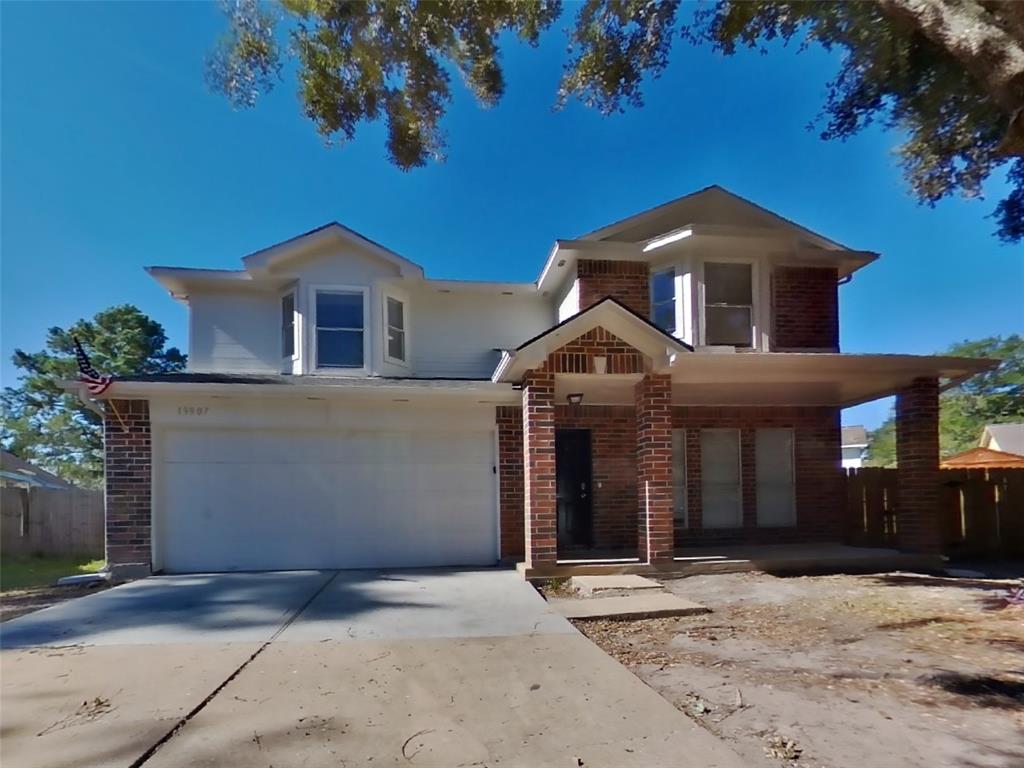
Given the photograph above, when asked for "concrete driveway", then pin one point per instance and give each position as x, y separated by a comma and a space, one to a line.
424, 667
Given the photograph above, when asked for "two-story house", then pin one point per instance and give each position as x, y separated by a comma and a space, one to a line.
671, 379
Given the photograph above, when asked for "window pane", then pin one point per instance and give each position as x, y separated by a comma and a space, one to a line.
665, 316
776, 495
727, 284
720, 478
396, 344
396, 314
663, 286
288, 325
728, 325
339, 349
339, 310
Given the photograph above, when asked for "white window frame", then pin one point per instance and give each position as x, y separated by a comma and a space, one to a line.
386, 326
755, 298
314, 363
296, 335
655, 271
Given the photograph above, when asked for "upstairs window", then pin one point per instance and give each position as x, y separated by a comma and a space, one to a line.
663, 300
728, 304
288, 325
340, 326
394, 320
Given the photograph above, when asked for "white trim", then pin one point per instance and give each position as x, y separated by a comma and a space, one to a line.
296, 336
314, 367
387, 292
758, 321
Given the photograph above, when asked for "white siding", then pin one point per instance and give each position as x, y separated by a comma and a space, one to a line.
235, 333
570, 304
456, 334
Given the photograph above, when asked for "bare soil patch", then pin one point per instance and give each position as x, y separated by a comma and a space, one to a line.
18, 602
878, 671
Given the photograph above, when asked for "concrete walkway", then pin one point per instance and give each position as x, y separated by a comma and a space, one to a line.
429, 667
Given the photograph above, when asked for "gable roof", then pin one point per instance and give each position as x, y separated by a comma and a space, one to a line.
702, 204
854, 436
20, 472
983, 457
1008, 437
610, 314
263, 259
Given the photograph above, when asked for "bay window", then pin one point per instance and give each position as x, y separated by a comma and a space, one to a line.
340, 327
728, 304
663, 299
394, 322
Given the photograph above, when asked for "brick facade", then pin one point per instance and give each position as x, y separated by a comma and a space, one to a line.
539, 466
820, 493
509, 420
805, 308
917, 459
655, 536
578, 355
626, 281
128, 476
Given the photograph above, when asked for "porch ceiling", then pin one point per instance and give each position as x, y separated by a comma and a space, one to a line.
779, 378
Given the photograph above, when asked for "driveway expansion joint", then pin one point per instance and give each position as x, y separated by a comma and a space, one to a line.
145, 756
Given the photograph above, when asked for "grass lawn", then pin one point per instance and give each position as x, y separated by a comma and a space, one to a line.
26, 571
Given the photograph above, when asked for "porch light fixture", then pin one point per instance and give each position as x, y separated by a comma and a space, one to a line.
574, 398
671, 237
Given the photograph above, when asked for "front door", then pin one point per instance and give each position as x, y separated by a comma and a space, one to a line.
572, 480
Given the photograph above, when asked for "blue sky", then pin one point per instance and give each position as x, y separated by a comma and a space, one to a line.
115, 155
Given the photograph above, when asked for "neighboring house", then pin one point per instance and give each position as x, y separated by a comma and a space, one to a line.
1001, 447
670, 379
1008, 438
855, 446
18, 473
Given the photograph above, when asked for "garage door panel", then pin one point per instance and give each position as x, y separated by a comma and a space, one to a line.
256, 500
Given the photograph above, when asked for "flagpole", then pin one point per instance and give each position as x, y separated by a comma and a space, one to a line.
124, 427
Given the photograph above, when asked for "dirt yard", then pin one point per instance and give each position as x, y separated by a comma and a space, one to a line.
884, 671
18, 602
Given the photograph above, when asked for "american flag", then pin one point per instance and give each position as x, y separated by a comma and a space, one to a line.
96, 383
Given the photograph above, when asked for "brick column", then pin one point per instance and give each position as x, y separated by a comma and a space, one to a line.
128, 475
655, 534
917, 458
510, 480
539, 468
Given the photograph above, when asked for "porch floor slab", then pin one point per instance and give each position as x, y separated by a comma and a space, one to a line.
771, 558
644, 605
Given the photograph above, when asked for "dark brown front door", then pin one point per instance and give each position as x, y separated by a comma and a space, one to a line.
572, 485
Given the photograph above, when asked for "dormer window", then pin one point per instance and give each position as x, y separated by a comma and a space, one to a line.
728, 304
663, 299
394, 322
339, 327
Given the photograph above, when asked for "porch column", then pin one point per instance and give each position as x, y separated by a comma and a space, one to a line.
917, 460
539, 468
655, 534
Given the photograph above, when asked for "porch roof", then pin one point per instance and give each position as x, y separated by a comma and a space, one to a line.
780, 378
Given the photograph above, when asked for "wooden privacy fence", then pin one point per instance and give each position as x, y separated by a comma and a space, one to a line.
980, 512
51, 521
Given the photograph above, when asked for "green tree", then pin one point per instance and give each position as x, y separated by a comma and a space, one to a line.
51, 427
948, 74
993, 397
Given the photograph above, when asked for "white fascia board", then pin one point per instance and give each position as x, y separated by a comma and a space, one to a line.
476, 391
180, 281
564, 253
480, 286
262, 260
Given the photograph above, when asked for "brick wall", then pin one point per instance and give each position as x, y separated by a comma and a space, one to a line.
805, 308
655, 535
539, 468
509, 421
613, 455
917, 460
626, 281
128, 476
820, 494
578, 355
